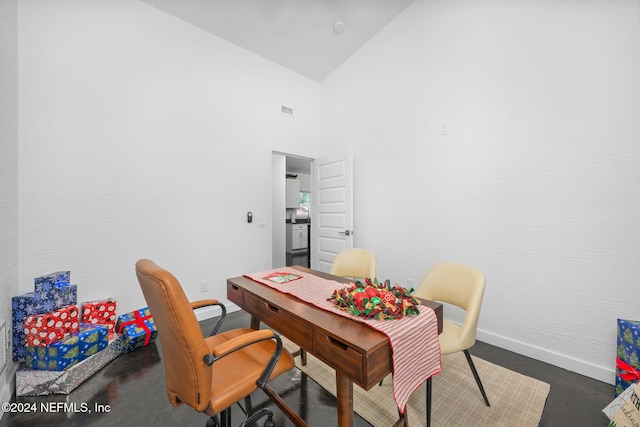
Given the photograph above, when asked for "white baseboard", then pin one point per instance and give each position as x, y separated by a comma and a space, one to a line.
209, 312
572, 364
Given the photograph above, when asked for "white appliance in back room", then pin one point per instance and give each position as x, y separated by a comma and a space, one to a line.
297, 236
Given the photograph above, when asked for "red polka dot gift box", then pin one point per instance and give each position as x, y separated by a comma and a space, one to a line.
44, 329
102, 312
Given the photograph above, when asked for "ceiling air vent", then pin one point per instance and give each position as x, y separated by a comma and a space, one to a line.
287, 111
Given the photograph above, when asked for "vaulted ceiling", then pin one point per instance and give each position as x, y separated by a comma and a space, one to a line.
311, 37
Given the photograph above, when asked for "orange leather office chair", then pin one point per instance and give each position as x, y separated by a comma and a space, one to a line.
211, 374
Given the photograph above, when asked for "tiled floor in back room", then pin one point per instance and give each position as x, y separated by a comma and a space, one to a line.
132, 389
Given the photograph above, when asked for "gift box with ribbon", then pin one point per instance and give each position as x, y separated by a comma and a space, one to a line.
100, 312
44, 329
55, 287
628, 355
60, 355
138, 329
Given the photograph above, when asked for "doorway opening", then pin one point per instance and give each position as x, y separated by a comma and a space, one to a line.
291, 210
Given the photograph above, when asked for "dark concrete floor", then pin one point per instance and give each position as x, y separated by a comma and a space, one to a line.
132, 388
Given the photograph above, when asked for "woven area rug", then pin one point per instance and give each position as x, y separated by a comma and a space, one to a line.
516, 400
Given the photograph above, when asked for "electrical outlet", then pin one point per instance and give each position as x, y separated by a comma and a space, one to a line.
204, 286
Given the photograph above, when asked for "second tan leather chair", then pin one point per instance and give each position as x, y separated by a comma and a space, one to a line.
354, 263
462, 286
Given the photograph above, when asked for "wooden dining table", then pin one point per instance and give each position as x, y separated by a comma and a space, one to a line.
359, 354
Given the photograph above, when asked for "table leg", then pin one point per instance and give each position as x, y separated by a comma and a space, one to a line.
344, 393
402, 420
255, 323
429, 397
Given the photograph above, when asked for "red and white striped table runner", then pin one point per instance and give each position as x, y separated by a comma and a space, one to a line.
413, 339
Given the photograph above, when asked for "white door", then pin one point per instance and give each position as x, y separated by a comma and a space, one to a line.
332, 211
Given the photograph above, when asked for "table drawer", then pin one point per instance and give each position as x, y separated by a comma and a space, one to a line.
235, 294
337, 353
295, 329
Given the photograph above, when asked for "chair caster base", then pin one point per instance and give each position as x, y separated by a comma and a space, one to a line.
261, 413
213, 421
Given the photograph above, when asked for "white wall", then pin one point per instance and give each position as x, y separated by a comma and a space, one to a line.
143, 136
538, 180
8, 175
278, 217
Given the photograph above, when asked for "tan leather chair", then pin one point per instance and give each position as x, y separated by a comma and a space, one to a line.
354, 263
211, 374
462, 286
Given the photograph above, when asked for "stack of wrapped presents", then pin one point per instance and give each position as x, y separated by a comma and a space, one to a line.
628, 355
61, 343
624, 408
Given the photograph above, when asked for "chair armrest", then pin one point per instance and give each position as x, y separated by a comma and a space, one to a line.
204, 303
240, 342
207, 303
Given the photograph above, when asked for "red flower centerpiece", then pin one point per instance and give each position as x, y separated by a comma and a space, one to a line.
375, 300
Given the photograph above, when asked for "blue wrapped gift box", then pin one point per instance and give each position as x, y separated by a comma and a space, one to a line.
49, 298
138, 329
628, 354
68, 351
57, 277
55, 287
22, 306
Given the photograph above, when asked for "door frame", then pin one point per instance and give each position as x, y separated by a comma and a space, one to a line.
314, 257
275, 224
